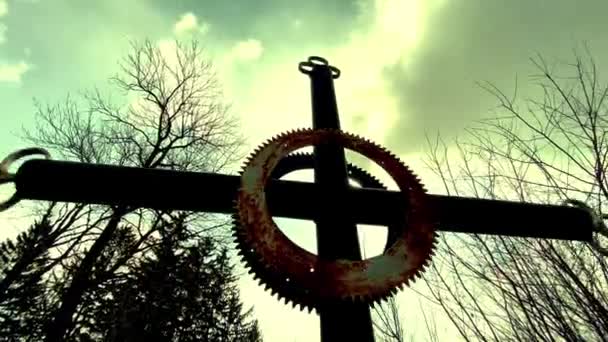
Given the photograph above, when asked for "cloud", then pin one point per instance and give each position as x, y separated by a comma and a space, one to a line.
188, 23
247, 50
3, 8
475, 41
388, 32
12, 73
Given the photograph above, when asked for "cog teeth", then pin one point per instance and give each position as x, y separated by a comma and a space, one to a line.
265, 273
427, 261
381, 300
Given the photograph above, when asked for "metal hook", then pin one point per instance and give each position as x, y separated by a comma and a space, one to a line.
598, 223
598, 220
7, 177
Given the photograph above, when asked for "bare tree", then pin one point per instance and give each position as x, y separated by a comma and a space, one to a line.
546, 150
388, 325
172, 116
387, 322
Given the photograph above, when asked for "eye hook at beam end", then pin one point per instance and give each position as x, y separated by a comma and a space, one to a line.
7, 177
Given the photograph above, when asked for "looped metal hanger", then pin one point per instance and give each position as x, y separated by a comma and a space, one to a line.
308, 66
8, 177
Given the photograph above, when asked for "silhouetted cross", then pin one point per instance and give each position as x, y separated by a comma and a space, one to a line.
62, 181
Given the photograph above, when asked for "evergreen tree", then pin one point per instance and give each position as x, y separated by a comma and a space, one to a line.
182, 290
23, 299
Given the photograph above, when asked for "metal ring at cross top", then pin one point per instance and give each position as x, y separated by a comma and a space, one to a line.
300, 276
7, 177
308, 66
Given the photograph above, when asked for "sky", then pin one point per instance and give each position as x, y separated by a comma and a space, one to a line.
408, 68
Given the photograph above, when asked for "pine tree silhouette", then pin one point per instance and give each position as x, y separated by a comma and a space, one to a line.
23, 299
182, 290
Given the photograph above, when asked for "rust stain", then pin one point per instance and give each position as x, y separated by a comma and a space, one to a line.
301, 277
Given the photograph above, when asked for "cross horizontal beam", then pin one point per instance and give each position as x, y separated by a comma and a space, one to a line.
63, 181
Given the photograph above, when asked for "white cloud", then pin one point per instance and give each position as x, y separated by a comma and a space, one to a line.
13, 72
188, 23
247, 50
394, 31
3, 8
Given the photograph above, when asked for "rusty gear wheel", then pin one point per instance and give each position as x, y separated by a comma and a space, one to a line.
301, 277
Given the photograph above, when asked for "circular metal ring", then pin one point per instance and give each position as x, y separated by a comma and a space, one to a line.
302, 277
305, 67
7, 177
298, 161
317, 60
335, 72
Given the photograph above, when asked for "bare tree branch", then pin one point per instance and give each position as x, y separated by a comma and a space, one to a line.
172, 115
515, 289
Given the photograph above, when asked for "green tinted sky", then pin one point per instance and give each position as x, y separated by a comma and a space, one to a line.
408, 66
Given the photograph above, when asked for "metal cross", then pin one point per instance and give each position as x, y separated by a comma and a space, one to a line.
63, 181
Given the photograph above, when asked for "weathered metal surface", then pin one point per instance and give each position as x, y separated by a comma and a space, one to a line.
304, 278
61, 181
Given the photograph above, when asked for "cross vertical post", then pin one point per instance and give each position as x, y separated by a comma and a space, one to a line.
336, 232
